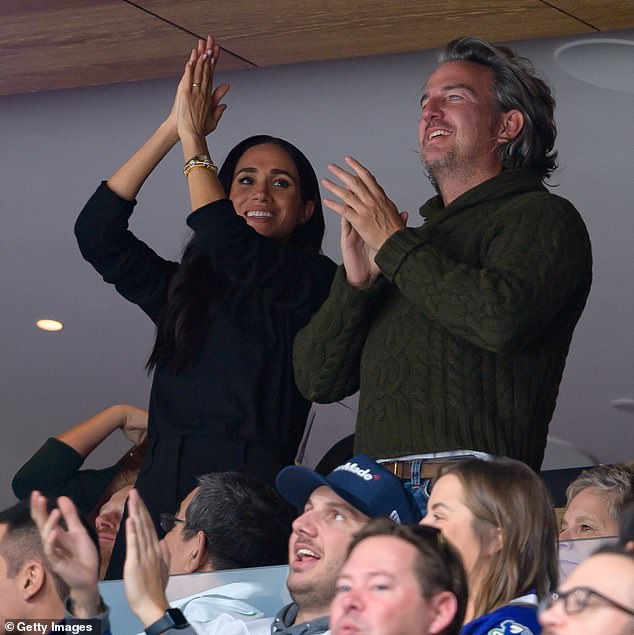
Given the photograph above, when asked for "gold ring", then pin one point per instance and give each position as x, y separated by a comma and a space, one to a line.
195, 85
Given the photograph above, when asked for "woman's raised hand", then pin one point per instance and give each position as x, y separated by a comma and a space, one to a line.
195, 113
197, 106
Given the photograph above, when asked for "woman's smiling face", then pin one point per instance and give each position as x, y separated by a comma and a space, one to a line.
265, 191
447, 510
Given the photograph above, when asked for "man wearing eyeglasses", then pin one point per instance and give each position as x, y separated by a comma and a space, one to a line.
596, 599
332, 510
202, 535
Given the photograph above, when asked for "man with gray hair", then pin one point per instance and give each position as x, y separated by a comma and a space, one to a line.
455, 332
594, 501
229, 521
332, 509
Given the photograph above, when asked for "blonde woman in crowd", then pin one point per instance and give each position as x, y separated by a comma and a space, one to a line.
499, 516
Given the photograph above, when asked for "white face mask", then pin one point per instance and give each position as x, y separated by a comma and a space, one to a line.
572, 552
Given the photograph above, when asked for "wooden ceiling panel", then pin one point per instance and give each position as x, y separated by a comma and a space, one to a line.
608, 15
69, 43
54, 44
289, 31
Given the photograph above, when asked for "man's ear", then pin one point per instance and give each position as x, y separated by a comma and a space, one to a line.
511, 124
32, 579
198, 558
306, 212
444, 607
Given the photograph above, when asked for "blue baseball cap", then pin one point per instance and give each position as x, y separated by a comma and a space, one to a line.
361, 482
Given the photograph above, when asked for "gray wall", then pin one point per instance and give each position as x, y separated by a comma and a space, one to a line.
56, 147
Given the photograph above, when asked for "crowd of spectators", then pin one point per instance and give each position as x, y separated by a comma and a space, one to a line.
482, 560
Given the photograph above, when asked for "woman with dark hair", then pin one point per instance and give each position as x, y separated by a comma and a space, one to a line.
499, 516
223, 394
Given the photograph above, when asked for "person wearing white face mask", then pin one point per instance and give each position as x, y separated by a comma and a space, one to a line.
597, 598
594, 501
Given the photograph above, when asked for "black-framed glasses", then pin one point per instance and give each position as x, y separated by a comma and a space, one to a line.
578, 599
168, 521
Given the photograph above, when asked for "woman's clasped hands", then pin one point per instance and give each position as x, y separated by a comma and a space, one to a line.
197, 107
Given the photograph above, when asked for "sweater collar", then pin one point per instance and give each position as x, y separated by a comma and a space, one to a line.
502, 185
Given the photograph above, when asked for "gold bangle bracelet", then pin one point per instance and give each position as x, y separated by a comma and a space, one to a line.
199, 161
191, 168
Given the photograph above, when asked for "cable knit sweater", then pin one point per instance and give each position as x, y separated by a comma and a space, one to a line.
461, 343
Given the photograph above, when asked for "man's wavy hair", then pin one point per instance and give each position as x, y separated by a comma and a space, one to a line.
515, 87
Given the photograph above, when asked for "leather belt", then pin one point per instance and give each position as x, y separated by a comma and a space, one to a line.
429, 469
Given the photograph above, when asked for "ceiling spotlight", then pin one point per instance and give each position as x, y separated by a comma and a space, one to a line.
606, 63
49, 325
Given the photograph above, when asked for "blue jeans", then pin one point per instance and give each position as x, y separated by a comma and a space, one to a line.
419, 489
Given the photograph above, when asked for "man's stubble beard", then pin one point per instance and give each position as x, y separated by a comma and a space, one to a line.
436, 170
318, 593
453, 166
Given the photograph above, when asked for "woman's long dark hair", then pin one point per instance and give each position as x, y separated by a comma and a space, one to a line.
197, 287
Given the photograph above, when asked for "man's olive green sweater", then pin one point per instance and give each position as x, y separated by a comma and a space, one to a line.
461, 342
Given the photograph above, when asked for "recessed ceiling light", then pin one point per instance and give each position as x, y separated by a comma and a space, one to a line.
49, 325
602, 62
